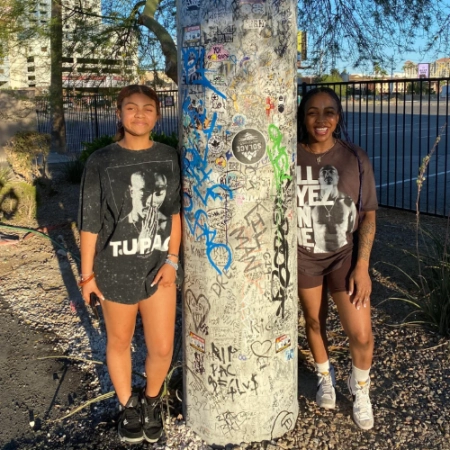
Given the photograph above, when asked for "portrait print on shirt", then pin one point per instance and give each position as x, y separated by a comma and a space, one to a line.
143, 224
326, 216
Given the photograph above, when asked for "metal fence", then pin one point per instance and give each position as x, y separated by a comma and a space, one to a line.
90, 116
396, 121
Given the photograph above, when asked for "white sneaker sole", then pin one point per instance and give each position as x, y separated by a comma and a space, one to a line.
138, 440
326, 404
358, 424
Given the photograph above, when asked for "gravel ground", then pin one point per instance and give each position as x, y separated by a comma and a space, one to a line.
42, 314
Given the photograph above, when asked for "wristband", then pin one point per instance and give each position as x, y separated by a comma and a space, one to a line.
173, 254
171, 263
84, 281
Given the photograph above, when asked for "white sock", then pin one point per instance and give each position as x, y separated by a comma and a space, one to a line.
360, 376
323, 367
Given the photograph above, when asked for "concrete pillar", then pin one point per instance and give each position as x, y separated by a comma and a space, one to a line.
238, 95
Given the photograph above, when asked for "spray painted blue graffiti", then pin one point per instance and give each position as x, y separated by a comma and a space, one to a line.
195, 168
194, 69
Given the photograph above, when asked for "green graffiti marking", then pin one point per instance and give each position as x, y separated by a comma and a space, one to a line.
278, 157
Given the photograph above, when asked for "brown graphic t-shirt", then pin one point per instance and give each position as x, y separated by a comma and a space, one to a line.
328, 190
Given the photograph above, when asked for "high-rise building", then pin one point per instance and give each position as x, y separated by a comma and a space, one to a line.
91, 57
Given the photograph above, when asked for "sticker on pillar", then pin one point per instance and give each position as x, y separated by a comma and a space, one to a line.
281, 103
289, 354
270, 106
192, 5
217, 54
218, 162
282, 342
248, 146
216, 103
215, 144
197, 342
238, 120
191, 36
254, 24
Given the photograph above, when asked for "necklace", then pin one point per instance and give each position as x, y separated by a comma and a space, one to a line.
320, 155
328, 216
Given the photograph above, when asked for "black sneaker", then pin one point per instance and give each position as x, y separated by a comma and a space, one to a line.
152, 425
130, 427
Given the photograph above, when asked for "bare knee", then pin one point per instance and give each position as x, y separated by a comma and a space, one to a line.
362, 339
119, 344
163, 351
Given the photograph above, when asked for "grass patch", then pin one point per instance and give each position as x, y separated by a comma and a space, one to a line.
23, 152
430, 296
18, 202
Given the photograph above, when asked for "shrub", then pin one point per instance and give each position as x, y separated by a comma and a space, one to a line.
431, 296
103, 141
171, 139
73, 171
18, 202
23, 152
5, 176
97, 143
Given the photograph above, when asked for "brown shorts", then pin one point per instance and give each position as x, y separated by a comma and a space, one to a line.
336, 281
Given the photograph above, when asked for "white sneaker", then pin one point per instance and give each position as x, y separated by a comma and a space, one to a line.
362, 408
326, 393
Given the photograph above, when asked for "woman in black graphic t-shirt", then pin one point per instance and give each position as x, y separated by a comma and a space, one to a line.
130, 237
336, 200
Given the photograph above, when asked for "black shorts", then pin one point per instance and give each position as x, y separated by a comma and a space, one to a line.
336, 281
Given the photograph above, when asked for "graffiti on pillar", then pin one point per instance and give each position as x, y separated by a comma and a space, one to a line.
238, 145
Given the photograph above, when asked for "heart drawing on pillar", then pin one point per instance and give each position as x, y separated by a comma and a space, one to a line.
199, 308
261, 349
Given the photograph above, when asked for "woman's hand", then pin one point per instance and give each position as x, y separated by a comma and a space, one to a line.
360, 286
166, 276
89, 288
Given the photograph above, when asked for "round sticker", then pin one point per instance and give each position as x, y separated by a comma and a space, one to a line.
248, 146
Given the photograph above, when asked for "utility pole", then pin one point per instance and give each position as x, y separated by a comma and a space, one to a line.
237, 89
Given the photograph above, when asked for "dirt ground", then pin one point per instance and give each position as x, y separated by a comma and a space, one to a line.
34, 269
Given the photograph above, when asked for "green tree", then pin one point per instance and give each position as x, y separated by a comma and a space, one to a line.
357, 31
329, 79
378, 71
58, 134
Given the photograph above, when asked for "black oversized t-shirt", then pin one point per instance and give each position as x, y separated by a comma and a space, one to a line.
328, 190
128, 198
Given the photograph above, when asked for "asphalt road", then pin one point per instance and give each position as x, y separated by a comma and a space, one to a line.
397, 137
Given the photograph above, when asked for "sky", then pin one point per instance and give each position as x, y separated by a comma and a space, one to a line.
416, 56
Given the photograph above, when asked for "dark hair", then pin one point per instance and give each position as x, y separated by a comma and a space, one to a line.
302, 134
341, 129
127, 91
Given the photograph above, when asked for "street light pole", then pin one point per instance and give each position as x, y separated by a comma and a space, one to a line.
238, 99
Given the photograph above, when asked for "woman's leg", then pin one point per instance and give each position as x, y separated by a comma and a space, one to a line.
158, 318
314, 304
358, 327
315, 308
120, 321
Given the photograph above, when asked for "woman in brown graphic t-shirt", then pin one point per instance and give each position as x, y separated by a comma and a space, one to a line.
336, 201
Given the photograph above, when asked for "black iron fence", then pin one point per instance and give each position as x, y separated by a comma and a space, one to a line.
396, 121
91, 116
